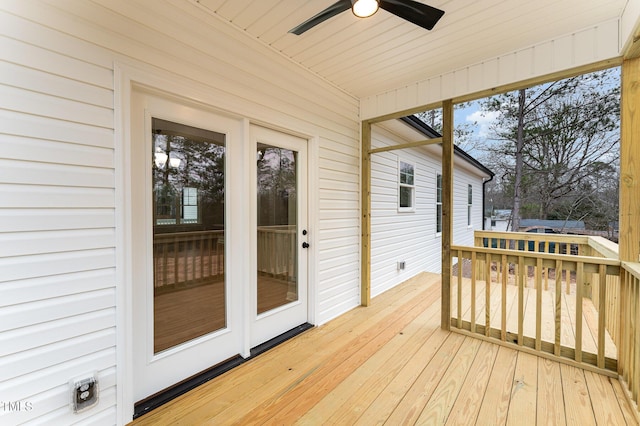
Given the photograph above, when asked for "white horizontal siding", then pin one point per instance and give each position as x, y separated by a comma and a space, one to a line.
57, 176
597, 43
463, 233
411, 236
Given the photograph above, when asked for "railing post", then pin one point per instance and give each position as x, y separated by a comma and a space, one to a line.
447, 210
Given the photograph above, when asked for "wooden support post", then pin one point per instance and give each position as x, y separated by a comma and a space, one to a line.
630, 162
447, 210
365, 256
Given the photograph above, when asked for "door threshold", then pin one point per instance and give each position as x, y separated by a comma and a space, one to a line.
154, 401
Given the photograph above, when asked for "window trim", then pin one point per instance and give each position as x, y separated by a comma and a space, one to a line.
412, 208
469, 205
438, 187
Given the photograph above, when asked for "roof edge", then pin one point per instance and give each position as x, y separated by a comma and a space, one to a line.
430, 132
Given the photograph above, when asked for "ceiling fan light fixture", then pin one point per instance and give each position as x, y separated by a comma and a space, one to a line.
364, 8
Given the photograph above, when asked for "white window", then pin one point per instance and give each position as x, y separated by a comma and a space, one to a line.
438, 203
406, 187
189, 205
469, 204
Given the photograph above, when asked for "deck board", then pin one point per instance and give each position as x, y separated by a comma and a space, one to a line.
391, 363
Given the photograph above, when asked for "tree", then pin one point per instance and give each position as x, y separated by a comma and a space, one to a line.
551, 140
463, 135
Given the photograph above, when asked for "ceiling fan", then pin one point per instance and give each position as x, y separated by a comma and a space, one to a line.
420, 14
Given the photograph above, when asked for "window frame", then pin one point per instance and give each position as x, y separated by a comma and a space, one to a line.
469, 205
438, 206
411, 186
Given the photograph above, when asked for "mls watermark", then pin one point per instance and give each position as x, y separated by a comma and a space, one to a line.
15, 406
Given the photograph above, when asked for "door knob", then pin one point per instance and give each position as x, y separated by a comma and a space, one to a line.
305, 245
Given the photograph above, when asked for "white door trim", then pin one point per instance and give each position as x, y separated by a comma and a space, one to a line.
127, 74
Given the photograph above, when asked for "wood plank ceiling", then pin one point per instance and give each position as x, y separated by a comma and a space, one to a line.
369, 56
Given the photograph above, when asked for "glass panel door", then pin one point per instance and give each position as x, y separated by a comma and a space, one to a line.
277, 259
280, 237
188, 185
186, 254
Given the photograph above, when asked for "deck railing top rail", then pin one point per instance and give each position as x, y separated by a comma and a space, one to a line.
587, 245
515, 254
533, 236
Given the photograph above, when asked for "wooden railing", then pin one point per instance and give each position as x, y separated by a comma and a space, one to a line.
583, 245
184, 259
629, 346
515, 290
277, 250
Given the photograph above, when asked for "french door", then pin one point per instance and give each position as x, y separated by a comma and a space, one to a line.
280, 236
219, 220
187, 315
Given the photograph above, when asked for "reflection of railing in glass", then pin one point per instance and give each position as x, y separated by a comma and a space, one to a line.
277, 251
277, 275
185, 259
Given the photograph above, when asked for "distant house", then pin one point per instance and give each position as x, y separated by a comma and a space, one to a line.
500, 220
558, 226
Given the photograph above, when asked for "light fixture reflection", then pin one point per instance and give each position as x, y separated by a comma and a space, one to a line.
174, 162
364, 8
160, 158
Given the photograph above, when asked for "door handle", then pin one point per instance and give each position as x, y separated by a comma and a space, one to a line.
305, 245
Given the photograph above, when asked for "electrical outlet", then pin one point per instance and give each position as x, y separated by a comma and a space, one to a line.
84, 393
402, 265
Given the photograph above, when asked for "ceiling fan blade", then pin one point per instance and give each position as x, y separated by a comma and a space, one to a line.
336, 8
420, 14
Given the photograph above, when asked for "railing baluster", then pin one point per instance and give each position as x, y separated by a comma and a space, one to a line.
459, 289
176, 257
201, 250
538, 275
636, 387
579, 287
473, 291
602, 313
623, 346
634, 325
521, 280
487, 308
505, 270
558, 313
546, 279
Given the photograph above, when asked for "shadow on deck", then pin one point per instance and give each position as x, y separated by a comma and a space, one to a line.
392, 363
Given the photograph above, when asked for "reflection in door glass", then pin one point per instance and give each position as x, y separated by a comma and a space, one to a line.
277, 227
188, 233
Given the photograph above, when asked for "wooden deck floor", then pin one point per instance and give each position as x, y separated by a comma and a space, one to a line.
391, 363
